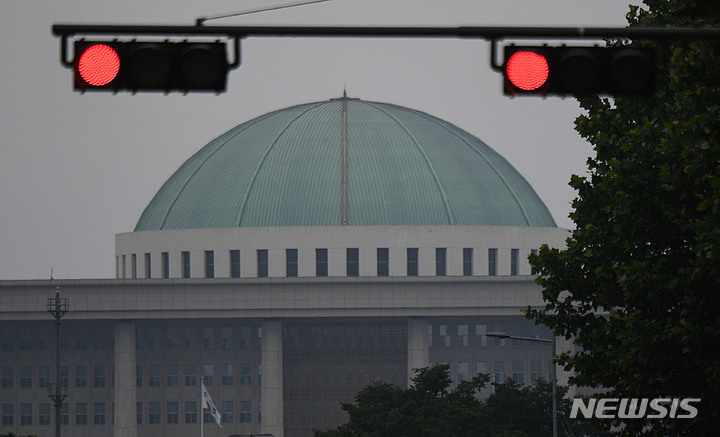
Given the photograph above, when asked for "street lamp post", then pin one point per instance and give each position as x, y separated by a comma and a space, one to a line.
57, 306
554, 380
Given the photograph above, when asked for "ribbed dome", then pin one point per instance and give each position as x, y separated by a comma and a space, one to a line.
345, 161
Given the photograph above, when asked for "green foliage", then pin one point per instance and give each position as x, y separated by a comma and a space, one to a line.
646, 249
430, 409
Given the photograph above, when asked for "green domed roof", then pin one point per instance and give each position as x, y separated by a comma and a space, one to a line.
345, 161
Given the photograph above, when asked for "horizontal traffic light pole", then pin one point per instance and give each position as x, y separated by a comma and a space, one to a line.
489, 33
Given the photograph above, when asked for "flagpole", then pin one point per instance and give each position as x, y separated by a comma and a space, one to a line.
202, 408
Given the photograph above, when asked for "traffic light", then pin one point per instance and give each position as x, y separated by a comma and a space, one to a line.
544, 71
150, 66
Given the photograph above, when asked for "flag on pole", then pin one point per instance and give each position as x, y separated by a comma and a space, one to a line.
208, 403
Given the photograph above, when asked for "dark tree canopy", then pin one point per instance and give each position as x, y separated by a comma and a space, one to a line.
646, 249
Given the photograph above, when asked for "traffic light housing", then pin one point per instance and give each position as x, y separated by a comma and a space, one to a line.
150, 66
567, 70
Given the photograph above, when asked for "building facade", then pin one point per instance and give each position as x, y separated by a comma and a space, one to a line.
292, 261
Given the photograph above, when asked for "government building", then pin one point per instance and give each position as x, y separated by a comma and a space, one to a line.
289, 263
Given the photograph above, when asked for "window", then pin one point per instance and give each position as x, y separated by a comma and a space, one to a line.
467, 262
430, 335
440, 261
291, 263
43, 339
245, 375
262, 263
445, 339
227, 412
463, 371
81, 414
8, 340
99, 413
234, 263
124, 266
154, 413
383, 261
64, 376
209, 339
99, 339
8, 377
499, 341
138, 338
244, 337
226, 337
190, 412
81, 339
186, 264
8, 415
518, 368
516, 330
80, 376
99, 376
44, 376
138, 375
514, 258
148, 266
138, 413
412, 262
209, 264
64, 339
321, 262
25, 414
173, 412
209, 374
44, 414
463, 335
492, 262
499, 371
154, 376
26, 377
352, 262
173, 377
173, 338
133, 266
190, 375
165, 264
535, 371
227, 374
245, 412
153, 338
481, 367
190, 338
480, 337
25, 340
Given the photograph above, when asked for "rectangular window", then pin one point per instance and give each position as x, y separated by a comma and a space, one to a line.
412, 261
245, 412
440, 261
234, 263
209, 339
99, 376
154, 413
173, 375
185, 264
383, 261
99, 413
480, 337
535, 371
154, 375
262, 263
321, 262
80, 376
138, 375
445, 338
138, 413
25, 340
516, 330
514, 259
65, 376
25, 414
44, 376
244, 337
467, 262
463, 371
191, 412
8, 340
481, 367
463, 335
8, 415
227, 412
65, 414
245, 375
227, 374
226, 337
209, 264
190, 338
26, 377
291, 263
500, 342
190, 375
430, 336
133, 266
165, 264
43, 339
518, 369
8, 377
153, 339
64, 339
352, 262
172, 340
81, 339
209, 374
492, 262
81, 413
148, 266
44, 414
173, 412
99, 339
499, 372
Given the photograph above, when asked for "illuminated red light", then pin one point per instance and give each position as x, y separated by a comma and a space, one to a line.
99, 65
527, 70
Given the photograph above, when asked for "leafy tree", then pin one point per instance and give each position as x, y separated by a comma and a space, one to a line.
638, 284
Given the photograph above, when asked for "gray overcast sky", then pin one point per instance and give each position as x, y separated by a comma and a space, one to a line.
77, 169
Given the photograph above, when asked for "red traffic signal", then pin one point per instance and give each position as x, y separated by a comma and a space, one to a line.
150, 66
616, 71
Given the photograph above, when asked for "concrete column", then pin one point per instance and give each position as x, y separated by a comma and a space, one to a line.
418, 348
272, 384
125, 380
